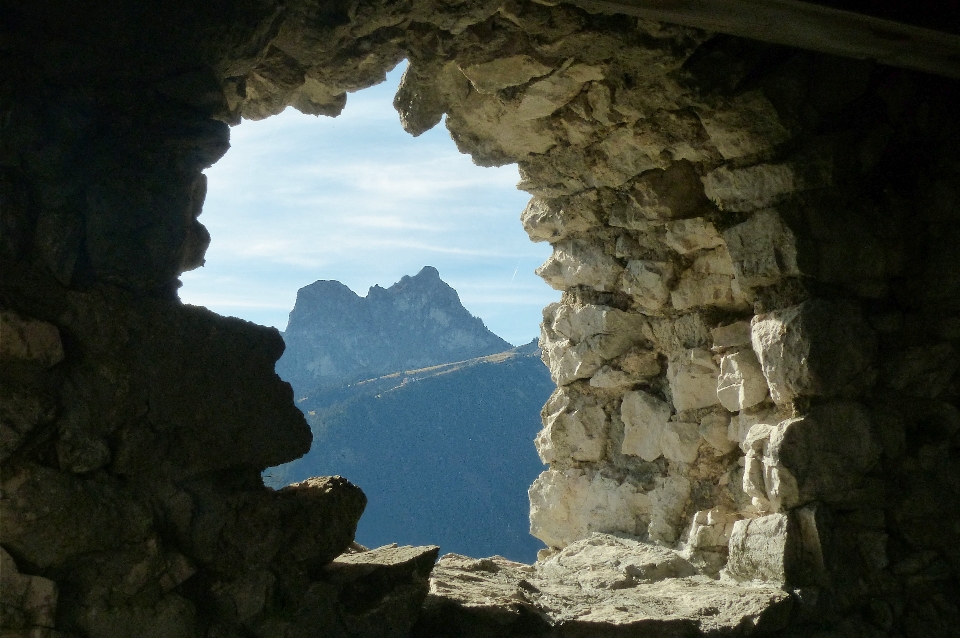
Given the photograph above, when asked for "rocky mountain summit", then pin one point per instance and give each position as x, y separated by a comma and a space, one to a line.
334, 336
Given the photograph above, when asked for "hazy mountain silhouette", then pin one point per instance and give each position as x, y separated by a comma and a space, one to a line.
335, 336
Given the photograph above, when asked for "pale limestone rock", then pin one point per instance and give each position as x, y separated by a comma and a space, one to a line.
741, 383
692, 375
711, 529
680, 442
599, 99
644, 419
545, 96
740, 424
762, 185
603, 561
641, 363
732, 335
708, 282
573, 429
569, 505
578, 263
627, 153
490, 77
674, 193
668, 500
761, 549
818, 347
29, 340
714, 428
33, 598
690, 235
678, 333
747, 125
609, 378
568, 361
763, 249
648, 282
547, 221
600, 586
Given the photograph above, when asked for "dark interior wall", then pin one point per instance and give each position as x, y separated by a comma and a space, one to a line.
134, 428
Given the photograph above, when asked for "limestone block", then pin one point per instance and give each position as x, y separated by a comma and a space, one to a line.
680, 442
29, 340
573, 429
740, 424
568, 361
569, 505
762, 185
708, 282
678, 333
607, 562
668, 500
545, 96
732, 335
783, 548
578, 263
381, 590
747, 125
641, 363
711, 529
673, 193
763, 249
818, 347
741, 383
689, 235
490, 77
609, 378
548, 221
762, 549
821, 456
692, 375
28, 601
627, 154
648, 282
644, 420
714, 428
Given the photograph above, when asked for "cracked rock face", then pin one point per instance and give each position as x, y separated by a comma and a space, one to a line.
754, 350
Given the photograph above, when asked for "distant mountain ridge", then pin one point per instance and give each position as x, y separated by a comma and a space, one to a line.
334, 336
444, 454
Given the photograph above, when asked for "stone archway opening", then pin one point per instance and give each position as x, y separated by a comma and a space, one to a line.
755, 422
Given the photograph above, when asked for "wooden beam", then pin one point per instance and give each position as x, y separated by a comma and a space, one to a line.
805, 26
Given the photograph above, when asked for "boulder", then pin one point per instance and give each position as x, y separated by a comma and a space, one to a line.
741, 383
693, 375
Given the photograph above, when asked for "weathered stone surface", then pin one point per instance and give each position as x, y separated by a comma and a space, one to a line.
550, 220
690, 235
28, 340
715, 429
598, 586
644, 421
382, 590
545, 96
673, 193
27, 603
763, 250
574, 428
741, 384
708, 282
569, 505
680, 442
816, 348
748, 125
762, 548
693, 379
668, 501
731, 335
763, 185
648, 282
576, 263
490, 77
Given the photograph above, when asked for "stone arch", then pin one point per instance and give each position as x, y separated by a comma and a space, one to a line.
754, 351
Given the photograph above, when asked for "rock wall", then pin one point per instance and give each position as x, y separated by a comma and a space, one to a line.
754, 352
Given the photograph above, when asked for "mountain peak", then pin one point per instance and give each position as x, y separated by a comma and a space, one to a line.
335, 336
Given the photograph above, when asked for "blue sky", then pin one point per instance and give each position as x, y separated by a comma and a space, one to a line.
354, 198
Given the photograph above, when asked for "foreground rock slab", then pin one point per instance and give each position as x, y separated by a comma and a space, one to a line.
600, 586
